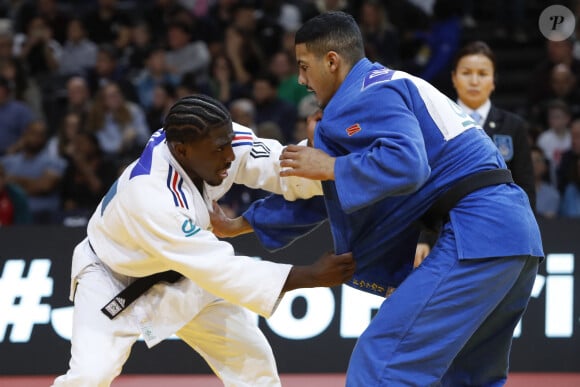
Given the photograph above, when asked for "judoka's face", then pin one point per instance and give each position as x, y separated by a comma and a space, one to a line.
318, 73
473, 79
209, 158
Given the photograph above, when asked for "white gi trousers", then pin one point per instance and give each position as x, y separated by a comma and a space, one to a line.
224, 334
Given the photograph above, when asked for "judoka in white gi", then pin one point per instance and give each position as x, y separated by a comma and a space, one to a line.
156, 218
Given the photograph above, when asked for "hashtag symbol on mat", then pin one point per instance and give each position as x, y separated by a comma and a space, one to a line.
21, 296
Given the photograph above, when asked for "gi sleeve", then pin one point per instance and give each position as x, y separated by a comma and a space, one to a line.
278, 223
173, 241
258, 166
395, 162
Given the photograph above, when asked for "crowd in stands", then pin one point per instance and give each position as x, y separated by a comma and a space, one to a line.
84, 84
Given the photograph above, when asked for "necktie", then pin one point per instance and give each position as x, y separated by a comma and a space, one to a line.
476, 117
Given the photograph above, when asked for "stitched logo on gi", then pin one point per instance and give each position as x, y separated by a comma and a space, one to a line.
259, 149
353, 129
377, 76
505, 145
188, 228
116, 306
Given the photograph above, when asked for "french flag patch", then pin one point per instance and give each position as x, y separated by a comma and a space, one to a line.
242, 137
353, 129
174, 183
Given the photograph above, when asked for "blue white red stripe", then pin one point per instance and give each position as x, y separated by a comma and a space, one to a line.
242, 137
174, 183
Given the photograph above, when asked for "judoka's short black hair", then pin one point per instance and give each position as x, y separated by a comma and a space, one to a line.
332, 31
192, 117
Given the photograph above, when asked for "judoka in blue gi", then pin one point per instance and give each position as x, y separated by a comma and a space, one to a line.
387, 147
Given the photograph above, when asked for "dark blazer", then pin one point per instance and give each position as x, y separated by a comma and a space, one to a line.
509, 132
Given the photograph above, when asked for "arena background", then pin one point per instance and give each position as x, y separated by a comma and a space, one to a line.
312, 332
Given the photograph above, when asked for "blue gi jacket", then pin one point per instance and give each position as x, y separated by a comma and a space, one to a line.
399, 143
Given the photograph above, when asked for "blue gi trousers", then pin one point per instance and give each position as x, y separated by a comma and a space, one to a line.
450, 323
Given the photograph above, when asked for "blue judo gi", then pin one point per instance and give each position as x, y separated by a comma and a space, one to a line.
399, 144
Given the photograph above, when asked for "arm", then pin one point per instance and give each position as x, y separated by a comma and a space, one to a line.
275, 221
393, 163
171, 240
257, 165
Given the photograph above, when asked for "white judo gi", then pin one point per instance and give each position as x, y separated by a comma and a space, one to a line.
155, 208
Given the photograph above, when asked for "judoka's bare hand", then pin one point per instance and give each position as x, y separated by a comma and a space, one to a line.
304, 161
225, 226
329, 270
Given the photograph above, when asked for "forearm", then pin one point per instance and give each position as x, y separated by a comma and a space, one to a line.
299, 277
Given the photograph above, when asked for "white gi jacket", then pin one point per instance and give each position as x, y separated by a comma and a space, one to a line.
154, 219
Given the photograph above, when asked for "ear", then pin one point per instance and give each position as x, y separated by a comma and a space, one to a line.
333, 60
179, 150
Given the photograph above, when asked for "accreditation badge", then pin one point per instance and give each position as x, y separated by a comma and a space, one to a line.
505, 144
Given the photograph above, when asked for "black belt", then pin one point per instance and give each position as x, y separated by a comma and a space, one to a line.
126, 297
440, 209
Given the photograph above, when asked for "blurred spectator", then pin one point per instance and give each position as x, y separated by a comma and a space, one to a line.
474, 79
119, 125
219, 18
102, 22
78, 97
270, 107
222, 83
164, 96
37, 172
547, 196
38, 50
557, 52
79, 52
254, 25
186, 87
307, 106
567, 167
243, 111
570, 204
55, 16
141, 45
15, 116
556, 139
244, 54
380, 38
441, 42
271, 130
60, 144
283, 66
14, 207
282, 13
23, 88
86, 179
158, 16
156, 72
108, 69
6, 41
186, 55
562, 85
